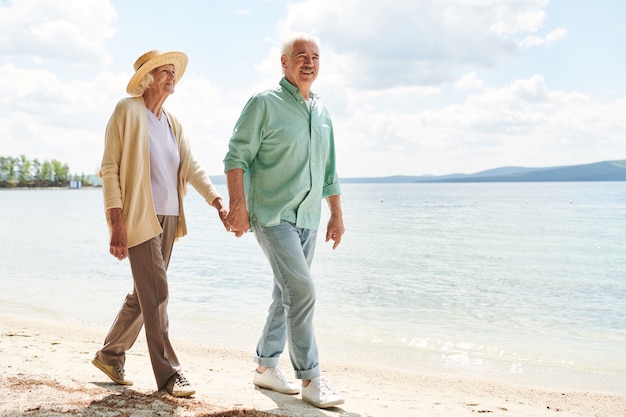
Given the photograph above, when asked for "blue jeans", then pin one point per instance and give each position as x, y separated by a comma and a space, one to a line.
289, 250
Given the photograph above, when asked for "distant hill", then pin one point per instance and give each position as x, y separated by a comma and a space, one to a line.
599, 171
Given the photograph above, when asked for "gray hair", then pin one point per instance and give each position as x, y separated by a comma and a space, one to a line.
147, 80
287, 48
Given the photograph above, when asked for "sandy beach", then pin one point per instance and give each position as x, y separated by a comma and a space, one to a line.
46, 371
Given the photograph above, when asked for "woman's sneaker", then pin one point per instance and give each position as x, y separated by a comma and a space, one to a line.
273, 379
116, 373
320, 394
178, 386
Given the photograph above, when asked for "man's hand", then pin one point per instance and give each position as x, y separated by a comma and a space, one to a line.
335, 229
238, 220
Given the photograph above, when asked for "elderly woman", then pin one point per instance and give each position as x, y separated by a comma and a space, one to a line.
146, 166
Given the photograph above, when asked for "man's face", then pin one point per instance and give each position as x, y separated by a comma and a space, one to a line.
302, 66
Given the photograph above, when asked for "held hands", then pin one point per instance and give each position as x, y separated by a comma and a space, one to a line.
234, 220
238, 221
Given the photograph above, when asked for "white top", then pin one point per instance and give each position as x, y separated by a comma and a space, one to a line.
164, 164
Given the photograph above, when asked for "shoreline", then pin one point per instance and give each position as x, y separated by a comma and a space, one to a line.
46, 371
336, 347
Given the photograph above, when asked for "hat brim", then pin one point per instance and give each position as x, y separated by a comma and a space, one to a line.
178, 59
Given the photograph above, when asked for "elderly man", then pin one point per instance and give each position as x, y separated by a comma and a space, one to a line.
280, 164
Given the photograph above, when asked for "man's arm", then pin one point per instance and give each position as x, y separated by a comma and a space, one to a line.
237, 219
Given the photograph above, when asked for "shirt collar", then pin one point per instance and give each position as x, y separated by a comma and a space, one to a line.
295, 91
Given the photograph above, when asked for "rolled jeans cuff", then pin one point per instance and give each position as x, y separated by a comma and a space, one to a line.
274, 362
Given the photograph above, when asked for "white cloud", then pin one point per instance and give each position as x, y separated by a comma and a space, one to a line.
416, 42
469, 82
413, 87
72, 30
47, 118
520, 122
554, 36
512, 17
388, 76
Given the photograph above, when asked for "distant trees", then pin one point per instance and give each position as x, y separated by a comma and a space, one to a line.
22, 172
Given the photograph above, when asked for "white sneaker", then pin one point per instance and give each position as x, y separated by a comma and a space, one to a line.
178, 386
320, 394
273, 379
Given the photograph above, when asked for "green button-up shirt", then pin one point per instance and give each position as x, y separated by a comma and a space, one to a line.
288, 155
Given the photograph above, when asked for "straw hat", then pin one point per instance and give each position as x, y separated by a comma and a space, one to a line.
149, 61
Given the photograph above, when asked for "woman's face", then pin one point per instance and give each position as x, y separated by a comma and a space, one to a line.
164, 79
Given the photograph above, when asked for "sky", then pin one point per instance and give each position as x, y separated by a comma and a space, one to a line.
414, 87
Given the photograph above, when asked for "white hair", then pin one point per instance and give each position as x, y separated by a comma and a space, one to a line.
287, 48
147, 80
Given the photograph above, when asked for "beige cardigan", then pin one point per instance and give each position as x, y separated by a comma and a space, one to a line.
125, 171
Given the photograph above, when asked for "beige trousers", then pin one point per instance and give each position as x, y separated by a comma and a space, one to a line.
146, 306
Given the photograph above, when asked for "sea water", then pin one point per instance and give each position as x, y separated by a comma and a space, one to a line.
522, 282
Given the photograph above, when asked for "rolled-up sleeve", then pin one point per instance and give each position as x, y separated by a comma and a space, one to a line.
246, 138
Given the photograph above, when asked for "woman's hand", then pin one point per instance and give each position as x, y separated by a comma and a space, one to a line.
222, 212
118, 246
